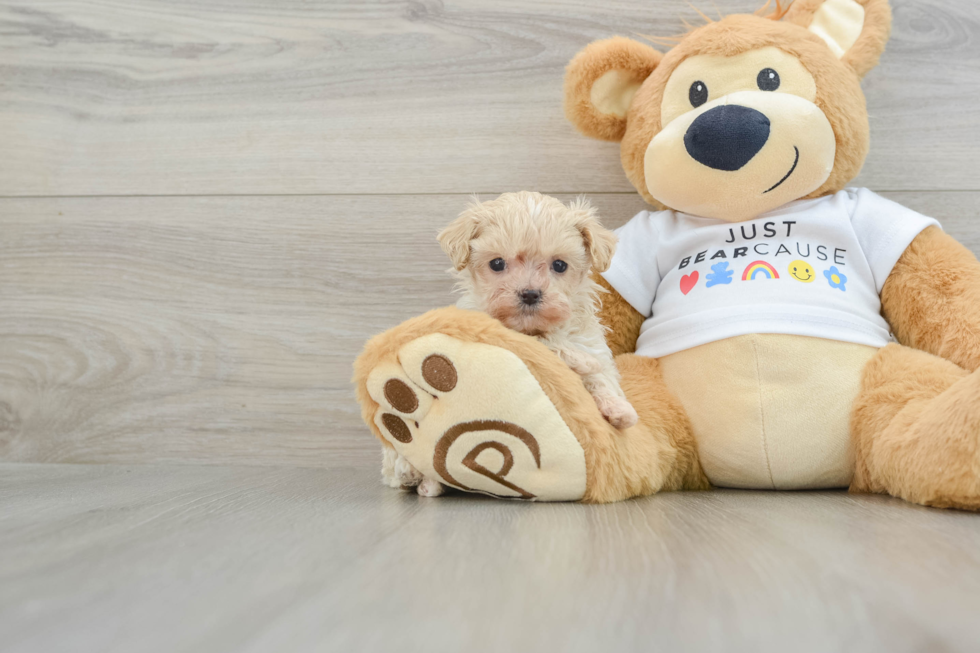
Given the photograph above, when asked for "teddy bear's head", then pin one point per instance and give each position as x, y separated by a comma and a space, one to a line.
744, 114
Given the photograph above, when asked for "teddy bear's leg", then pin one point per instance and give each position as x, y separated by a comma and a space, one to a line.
666, 433
485, 409
916, 426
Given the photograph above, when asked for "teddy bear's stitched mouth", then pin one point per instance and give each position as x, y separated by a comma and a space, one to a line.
791, 171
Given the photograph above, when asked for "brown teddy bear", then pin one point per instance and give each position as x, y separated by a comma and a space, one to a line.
788, 332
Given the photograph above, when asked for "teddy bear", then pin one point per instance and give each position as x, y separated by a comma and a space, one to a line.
774, 328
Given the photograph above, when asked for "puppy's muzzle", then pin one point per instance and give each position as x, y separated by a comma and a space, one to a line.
530, 297
727, 137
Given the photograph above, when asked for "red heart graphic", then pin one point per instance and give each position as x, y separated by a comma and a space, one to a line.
688, 282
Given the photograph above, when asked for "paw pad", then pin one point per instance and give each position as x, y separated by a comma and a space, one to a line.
470, 459
397, 428
439, 372
400, 396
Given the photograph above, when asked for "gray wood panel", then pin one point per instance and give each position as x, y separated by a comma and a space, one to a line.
104, 97
216, 559
174, 329
223, 329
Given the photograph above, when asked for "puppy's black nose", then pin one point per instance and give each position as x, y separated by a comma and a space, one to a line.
727, 137
530, 297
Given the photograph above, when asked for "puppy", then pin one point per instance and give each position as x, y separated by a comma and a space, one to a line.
524, 258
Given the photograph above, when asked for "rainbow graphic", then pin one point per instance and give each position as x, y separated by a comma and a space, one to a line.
757, 269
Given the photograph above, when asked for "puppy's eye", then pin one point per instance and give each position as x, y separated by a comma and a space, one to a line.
559, 266
698, 94
768, 80
497, 265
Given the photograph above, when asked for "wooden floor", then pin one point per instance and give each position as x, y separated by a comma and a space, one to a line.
197, 558
206, 207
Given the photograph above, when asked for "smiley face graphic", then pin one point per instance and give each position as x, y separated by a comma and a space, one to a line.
802, 271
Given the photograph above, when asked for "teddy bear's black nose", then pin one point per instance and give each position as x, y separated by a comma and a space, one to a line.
727, 137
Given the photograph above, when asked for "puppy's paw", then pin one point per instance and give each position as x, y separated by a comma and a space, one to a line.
431, 488
398, 473
388, 459
581, 363
617, 411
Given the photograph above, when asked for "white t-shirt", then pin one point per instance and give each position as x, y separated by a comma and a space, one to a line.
810, 268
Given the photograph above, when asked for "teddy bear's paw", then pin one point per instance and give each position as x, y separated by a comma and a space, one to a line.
618, 411
472, 416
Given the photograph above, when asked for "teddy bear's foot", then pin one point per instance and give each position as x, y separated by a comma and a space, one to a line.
474, 417
917, 430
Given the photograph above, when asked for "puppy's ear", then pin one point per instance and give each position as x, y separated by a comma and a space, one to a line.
600, 243
600, 83
855, 30
455, 239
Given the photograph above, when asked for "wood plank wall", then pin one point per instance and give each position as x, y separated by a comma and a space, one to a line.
207, 207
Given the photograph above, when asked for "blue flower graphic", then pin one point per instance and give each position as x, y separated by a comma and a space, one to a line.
835, 278
720, 274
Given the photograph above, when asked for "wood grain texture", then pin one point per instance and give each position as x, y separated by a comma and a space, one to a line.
217, 559
132, 97
223, 329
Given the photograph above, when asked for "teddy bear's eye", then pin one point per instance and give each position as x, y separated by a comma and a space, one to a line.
698, 94
768, 80
497, 265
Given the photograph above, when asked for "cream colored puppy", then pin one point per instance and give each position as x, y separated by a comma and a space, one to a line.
524, 258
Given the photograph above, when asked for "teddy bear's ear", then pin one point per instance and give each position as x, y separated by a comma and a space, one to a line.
600, 83
855, 30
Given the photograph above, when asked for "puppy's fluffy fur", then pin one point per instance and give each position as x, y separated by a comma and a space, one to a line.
524, 258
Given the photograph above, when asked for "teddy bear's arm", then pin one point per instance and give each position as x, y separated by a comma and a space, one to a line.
932, 298
623, 320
